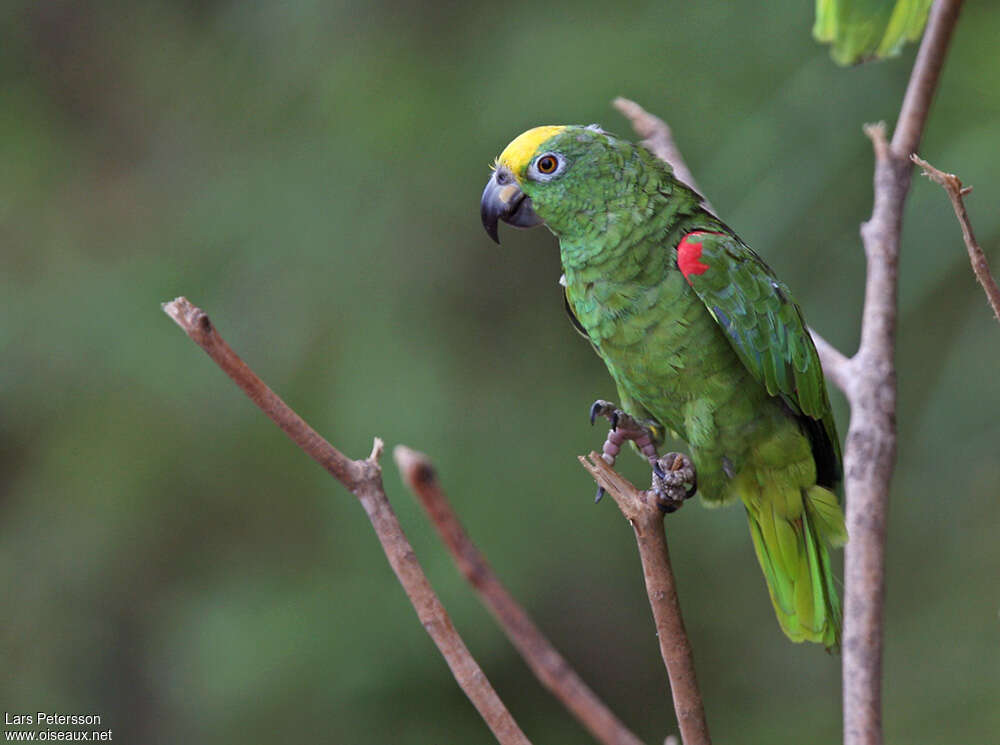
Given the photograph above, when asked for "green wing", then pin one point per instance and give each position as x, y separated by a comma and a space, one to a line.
766, 330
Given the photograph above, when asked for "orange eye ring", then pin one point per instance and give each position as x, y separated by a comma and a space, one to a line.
547, 164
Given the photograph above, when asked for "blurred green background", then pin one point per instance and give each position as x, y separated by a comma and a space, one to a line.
309, 173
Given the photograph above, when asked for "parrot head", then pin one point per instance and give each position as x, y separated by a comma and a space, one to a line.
548, 175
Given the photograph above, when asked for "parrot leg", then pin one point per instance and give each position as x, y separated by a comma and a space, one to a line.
674, 477
624, 427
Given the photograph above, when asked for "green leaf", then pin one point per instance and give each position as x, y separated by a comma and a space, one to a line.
863, 30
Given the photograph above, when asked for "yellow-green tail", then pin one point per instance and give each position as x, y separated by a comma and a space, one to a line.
791, 533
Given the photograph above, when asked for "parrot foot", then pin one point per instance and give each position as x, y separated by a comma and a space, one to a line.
624, 427
674, 480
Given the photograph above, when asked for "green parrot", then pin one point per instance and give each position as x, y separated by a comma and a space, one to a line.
701, 339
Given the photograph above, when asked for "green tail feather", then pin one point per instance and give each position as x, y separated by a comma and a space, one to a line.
796, 564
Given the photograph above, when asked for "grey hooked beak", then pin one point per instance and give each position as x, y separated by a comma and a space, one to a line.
504, 200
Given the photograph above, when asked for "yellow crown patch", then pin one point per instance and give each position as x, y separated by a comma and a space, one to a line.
518, 153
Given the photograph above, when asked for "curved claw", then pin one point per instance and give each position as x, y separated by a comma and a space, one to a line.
600, 494
600, 407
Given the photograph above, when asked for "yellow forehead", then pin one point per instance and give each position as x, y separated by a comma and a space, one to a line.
518, 153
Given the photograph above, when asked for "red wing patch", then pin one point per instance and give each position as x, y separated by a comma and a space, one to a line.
689, 254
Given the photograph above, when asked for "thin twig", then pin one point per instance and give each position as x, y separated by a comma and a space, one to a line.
550, 667
364, 479
198, 326
647, 523
952, 185
870, 448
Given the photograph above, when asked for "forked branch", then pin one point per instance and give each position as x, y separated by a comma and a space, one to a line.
364, 479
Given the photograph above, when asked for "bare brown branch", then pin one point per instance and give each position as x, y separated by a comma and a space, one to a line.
924, 77
364, 479
647, 523
952, 185
870, 448
870, 454
550, 667
197, 325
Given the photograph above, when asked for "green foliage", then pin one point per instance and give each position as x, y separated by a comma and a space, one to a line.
861, 30
309, 172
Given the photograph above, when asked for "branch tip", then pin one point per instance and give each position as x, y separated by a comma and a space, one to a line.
876, 132
646, 125
378, 446
188, 316
415, 467
950, 181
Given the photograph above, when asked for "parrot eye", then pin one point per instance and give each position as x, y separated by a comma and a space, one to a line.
547, 164
547, 167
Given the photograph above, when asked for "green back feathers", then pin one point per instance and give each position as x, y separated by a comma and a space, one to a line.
766, 330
